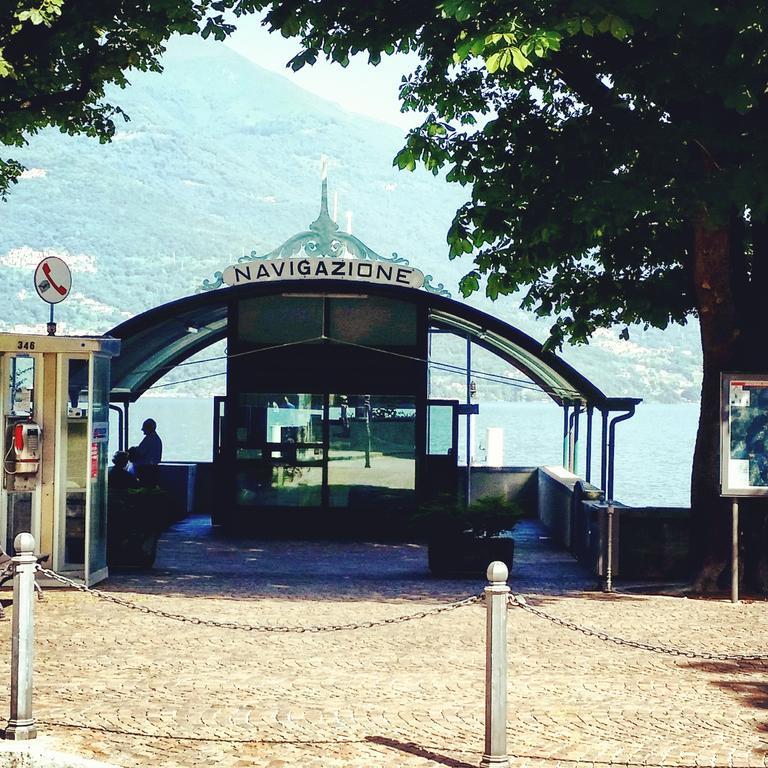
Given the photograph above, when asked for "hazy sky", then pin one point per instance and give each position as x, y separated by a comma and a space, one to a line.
361, 88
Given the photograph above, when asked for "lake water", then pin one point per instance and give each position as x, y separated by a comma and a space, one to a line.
654, 449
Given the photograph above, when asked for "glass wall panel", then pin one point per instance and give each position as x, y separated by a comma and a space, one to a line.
18, 405
373, 321
371, 451
97, 520
273, 320
280, 455
440, 430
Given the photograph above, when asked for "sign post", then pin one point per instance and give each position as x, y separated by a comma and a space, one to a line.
743, 449
53, 283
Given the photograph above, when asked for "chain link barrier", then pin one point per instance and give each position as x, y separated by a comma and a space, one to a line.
518, 601
257, 627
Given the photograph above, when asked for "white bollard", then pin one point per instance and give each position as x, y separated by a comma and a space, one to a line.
494, 452
496, 599
21, 724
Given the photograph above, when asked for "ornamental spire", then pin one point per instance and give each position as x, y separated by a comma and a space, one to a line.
324, 189
324, 223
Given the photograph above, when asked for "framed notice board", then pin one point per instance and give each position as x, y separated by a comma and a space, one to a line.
744, 434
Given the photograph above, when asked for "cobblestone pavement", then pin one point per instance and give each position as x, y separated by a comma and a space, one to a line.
136, 690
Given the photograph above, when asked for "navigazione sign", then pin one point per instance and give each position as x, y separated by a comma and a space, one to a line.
309, 268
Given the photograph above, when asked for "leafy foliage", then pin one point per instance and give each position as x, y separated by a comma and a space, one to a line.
582, 132
446, 517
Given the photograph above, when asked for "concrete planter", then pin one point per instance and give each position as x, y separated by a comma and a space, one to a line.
466, 555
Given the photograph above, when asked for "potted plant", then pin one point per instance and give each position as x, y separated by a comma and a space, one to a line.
136, 518
463, 540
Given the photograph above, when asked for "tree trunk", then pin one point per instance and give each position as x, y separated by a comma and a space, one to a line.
720, 332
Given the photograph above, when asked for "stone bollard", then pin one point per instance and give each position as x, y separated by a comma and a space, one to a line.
496, 599
21, 724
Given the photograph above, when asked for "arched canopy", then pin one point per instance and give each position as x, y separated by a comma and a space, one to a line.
158, 340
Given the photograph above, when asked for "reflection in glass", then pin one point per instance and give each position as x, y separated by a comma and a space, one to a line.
280, 450
440, 430
19, 405
748, 450
21, 386
371, 451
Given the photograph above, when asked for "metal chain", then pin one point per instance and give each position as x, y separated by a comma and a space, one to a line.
257, 627
520, 602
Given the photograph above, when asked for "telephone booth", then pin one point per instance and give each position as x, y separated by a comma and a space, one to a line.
54, 408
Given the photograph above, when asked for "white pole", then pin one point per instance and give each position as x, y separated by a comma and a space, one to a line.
609, 547
21, 724
496, 599
735, 551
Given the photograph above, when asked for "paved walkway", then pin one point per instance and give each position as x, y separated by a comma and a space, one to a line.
136, 690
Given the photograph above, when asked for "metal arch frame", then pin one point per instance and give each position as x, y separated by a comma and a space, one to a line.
555, 377
145, 323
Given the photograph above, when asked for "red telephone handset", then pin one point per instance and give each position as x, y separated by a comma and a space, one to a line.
26, 447
58, 288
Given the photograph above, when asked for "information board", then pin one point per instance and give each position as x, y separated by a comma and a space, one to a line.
744, 434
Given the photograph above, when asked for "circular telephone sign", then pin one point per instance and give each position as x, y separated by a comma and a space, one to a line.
53, 280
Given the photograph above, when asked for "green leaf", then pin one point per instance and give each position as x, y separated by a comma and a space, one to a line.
6, 69
469, 284
405, 160
499, 61
465, 10
573, 26
619, 28
588, 27
461, 10
493, 286
290, 27
463, 50
449, 7
520, 60
478, 46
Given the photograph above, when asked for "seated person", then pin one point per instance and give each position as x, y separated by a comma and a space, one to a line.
119, 476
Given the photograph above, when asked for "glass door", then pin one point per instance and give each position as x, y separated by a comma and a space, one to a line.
371, 451
73, 448
441, 460
19, 510
280, 450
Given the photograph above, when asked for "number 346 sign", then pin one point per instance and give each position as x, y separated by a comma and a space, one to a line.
53, 280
